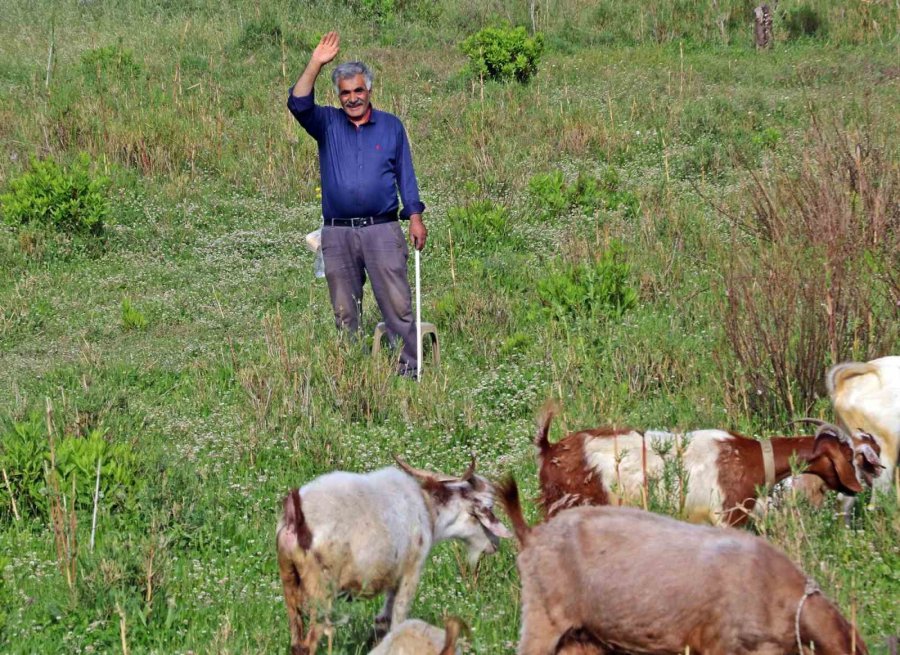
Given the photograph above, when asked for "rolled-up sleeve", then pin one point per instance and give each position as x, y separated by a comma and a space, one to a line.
406, 179
311, 116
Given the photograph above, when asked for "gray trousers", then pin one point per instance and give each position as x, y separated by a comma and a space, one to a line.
381, 252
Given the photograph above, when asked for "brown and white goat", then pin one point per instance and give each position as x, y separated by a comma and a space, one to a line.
415, 637
866, 460
866, 397
724, 469
364, 534
638, 582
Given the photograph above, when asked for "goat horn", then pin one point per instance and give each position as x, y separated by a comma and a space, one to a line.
809, 419
470, 472
824, 426
422, 474
416, 473
831, 428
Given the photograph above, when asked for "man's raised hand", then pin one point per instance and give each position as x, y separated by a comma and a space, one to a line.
327, 49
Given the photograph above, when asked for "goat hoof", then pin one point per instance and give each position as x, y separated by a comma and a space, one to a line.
382, 627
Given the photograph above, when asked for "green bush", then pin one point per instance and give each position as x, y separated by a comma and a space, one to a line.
22, 456
108, 64
803, 21
551, 196
69, 200
503, 53
594, 290
377, 9
480, 222
25, 457
132, 317
548, 193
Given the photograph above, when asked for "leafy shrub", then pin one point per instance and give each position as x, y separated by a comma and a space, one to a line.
25, 456
548, 193
69, 200
109, 63
482, 222
503, 53
377, 9
132, 318
767, 138
597, 289
76, 458
803, 21
22, 456
551, 196
262, 32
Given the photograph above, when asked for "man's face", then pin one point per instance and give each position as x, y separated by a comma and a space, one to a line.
354, 96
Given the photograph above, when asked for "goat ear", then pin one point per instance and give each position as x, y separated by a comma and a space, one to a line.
833, 448
869, 457
492, 524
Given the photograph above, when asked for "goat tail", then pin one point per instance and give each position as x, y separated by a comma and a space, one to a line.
453, 626
819, 622
541, 439
508, 492
838, 375
294, 518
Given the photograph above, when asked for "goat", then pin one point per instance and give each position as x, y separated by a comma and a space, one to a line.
724, 469
866, 460
364, 534
415, 637
866, 397
639, 582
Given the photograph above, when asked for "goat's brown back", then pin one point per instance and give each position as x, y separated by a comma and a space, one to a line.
710, 586
566, 478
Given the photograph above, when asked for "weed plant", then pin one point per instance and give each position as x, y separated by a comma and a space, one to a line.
753, 208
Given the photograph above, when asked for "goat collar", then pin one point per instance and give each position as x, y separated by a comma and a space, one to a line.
768, 456
811, 588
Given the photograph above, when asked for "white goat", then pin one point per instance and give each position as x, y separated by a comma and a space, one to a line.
415, 637
866, 397
364, 534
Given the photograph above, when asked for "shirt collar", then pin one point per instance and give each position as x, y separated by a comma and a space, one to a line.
372, 114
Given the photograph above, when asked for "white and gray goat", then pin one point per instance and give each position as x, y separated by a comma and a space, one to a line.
415, 637
367, 534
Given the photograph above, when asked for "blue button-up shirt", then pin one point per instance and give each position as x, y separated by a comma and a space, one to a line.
361, 168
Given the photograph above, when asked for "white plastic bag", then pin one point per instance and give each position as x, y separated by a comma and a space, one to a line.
314, 243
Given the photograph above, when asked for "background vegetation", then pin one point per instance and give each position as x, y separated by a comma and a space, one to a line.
663, 228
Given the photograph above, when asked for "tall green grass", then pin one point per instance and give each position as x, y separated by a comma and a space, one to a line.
236, 387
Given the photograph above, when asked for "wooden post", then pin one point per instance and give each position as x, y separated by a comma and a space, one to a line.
762, 28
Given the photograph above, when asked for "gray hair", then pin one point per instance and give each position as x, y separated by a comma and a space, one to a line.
352, 69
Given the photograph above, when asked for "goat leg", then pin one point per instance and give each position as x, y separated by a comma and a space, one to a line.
293, 601
383, 620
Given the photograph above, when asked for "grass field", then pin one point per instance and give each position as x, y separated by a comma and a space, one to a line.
665, 229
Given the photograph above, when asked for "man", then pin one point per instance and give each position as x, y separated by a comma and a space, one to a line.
364, 159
